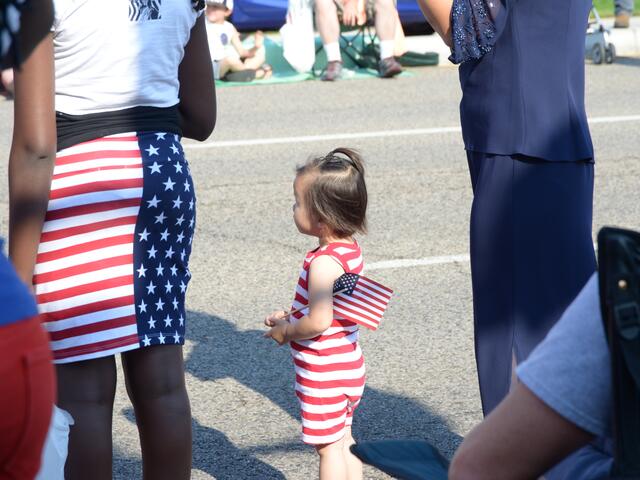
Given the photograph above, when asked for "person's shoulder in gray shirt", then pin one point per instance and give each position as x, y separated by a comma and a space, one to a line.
570, 369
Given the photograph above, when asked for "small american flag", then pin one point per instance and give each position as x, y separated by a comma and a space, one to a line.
360, 300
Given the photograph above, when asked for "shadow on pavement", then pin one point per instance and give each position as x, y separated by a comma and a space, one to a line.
628, 61
222, 351
213, 453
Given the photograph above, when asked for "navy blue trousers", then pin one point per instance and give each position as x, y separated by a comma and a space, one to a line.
531, 253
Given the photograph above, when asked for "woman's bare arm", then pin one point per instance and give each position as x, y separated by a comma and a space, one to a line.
438, 14
197, 88
521, 439
33, 147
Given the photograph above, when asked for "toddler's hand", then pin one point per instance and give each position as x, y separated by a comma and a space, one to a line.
278, 332
272, 319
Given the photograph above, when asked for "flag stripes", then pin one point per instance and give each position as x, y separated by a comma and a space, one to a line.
83, 278
330, 369
360, 300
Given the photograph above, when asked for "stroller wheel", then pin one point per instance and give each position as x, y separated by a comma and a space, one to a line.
610, 53
597, 53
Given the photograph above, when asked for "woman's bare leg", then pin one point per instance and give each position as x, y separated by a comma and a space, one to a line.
156, 387
86, 390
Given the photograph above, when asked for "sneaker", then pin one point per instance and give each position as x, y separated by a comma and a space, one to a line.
389, 67
332, 72
622, 20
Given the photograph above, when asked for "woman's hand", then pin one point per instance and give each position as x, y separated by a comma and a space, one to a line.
350, 13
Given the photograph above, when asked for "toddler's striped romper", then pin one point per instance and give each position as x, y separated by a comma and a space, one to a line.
330, 372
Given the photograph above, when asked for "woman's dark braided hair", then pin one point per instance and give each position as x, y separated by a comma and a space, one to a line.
197, 5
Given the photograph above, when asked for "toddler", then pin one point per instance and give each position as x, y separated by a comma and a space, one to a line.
330, 204
228, 55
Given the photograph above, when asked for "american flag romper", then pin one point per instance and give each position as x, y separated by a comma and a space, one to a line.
112, 266
330, 367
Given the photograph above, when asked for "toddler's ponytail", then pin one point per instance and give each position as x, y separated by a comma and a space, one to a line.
351, 155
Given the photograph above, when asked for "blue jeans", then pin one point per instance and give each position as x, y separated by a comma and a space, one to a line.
623, 6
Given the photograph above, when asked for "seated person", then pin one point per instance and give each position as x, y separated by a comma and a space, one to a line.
386, 18
227, 52
563, 401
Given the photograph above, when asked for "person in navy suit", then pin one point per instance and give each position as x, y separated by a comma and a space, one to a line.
531, 162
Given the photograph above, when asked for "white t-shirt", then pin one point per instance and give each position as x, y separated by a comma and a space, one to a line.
219, 36
117, 54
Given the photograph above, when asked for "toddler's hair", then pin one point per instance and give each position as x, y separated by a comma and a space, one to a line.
337, 194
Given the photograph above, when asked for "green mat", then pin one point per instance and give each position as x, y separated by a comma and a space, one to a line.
283, 73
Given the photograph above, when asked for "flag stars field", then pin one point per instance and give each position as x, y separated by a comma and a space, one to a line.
155, 168
152, 150
153, 202
162, 259
168, 185
161, 218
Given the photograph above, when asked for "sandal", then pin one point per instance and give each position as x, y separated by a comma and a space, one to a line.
264, 72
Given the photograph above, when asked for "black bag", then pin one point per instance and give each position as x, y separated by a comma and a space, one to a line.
619, 275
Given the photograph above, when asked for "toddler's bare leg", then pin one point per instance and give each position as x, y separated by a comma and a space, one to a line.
332, 461
257, 60
354, 465
231, 65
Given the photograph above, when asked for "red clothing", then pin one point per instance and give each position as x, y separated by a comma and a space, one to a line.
27, 393
330, 370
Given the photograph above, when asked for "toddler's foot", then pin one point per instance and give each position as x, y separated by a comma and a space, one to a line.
263, 72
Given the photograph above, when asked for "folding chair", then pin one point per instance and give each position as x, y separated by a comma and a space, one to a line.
358, 47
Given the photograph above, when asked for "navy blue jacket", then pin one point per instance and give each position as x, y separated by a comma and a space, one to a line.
526, 95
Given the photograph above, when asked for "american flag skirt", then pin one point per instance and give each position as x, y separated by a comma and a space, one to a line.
112, 265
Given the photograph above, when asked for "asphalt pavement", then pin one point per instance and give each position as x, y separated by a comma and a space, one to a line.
247, 253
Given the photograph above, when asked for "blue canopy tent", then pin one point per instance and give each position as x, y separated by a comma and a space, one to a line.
270, 14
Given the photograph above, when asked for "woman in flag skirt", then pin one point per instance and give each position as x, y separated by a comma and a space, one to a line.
131, 78
530, 158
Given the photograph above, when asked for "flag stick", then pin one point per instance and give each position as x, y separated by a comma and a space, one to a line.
307, 306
